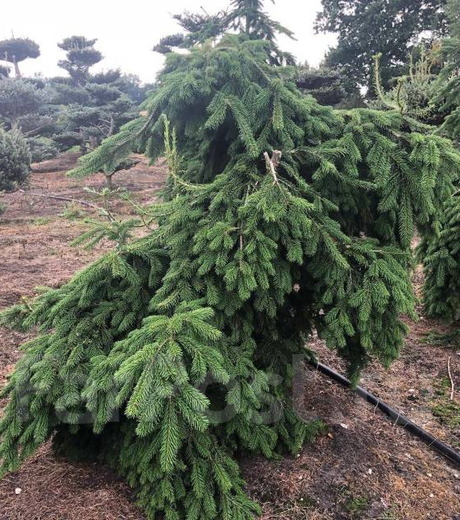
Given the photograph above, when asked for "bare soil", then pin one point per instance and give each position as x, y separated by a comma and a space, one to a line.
364, 467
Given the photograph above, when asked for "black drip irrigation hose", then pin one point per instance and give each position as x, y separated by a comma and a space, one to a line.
399, 419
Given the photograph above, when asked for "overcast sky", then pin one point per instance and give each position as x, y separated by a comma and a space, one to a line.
127, 30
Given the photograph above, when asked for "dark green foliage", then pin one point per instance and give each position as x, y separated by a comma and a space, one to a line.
368, 27
128, 84
328, 86
442, 266
449, 87
168, 43
16, 50
14, 160
87, 125
453, 15
172, 353
440, 250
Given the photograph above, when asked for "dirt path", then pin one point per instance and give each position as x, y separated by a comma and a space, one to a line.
363, 468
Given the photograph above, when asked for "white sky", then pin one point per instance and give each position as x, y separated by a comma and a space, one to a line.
127, 30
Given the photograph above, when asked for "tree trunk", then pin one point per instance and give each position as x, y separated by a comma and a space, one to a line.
108, 181
17, 72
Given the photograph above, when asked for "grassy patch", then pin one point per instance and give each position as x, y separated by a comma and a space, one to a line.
357, 505
446, 410
73, 211
354, 503
40, 221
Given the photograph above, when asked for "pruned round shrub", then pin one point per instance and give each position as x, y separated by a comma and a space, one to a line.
14, 160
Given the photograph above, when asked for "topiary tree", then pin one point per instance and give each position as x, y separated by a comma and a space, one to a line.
80, 57
95, 106
107, 109
14, 160
16, 50
328, 86
174, 352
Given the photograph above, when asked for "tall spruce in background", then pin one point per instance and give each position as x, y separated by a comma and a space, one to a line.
280, 217
367, 27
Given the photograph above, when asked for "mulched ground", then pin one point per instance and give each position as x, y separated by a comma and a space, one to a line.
363, 468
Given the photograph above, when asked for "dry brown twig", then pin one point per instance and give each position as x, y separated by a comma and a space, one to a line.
56, 197
272, 163
452, 384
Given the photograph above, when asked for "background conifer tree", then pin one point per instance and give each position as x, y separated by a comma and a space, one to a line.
17, 50
440, 250
80, 57
367, 27
328, 86
95, 105
280, 217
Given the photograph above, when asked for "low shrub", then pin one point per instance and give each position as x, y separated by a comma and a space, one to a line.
42, 149
14, 160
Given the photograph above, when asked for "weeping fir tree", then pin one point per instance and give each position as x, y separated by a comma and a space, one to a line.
173, 354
